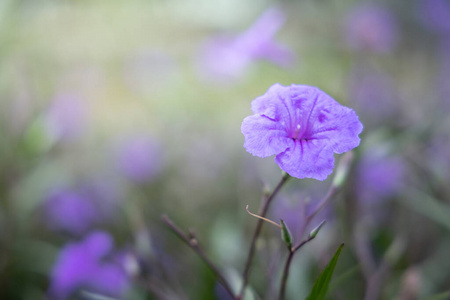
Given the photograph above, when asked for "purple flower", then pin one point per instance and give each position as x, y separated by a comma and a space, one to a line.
84, 265
372, 28
70, 211
379, 176
373, 92
140, 159
303, 127
435, 14
228, 57
295, 214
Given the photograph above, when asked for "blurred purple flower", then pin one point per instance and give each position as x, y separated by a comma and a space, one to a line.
295, 214
84, 265
370, 27
227, 57
379, 176
303, 127
140, 159
435, 15
70, 211
66, 117
372, 91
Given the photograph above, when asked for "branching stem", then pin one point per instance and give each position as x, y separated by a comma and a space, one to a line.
266, 201
332, 191
193, 243
287, 266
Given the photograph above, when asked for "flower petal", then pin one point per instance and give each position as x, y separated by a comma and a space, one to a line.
264, 136
331, 121
274, 103
307, 159
99, 244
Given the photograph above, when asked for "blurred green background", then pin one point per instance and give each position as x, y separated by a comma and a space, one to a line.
81, 81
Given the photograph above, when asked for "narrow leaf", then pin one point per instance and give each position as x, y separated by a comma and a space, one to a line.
320, 287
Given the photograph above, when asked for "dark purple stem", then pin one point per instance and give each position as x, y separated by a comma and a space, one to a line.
192, 242
267, 199
287, 266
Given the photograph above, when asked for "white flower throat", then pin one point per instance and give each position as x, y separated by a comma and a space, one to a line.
297, 131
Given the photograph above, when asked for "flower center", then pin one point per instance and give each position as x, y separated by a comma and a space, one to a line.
297, 132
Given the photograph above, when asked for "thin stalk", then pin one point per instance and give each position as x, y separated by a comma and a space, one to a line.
332, 191
266, 201
192, 242
287, 266
284, 279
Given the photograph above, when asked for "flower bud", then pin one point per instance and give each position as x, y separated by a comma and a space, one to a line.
316, 230
286, 234
342, 169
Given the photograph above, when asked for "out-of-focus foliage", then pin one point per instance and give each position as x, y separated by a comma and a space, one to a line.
107, 121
